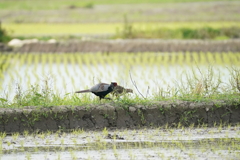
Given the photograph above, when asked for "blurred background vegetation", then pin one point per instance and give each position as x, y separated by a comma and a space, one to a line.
158, 19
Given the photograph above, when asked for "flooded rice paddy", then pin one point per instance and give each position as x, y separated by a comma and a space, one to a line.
151, 72
159, 143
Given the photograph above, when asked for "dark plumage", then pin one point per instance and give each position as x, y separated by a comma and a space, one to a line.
118, 90
100, 89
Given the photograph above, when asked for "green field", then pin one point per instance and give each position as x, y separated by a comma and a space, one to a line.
170, 30
57, 4
38, 29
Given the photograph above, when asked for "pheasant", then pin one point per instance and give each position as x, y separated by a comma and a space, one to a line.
120, 90
100, 89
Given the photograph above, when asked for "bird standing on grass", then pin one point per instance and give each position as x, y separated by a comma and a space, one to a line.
100, 89
118, 90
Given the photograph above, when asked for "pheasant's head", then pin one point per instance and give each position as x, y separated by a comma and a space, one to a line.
114, 84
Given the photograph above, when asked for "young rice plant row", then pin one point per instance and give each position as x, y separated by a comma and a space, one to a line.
162, 74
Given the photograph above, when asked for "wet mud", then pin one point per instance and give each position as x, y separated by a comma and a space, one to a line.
221, 142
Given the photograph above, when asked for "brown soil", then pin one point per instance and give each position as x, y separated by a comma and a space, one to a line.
112, 116
134, 46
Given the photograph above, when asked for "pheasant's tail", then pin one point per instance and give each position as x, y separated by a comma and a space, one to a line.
83, 91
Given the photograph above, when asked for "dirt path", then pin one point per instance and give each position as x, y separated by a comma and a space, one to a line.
137, 45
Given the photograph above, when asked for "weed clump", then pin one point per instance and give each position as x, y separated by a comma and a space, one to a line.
4, 36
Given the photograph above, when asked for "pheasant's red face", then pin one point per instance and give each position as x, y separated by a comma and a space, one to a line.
114, 83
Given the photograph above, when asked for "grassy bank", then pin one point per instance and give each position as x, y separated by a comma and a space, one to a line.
38, 97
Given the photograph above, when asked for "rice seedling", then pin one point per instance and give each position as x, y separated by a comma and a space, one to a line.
62, 141
15, 136
2, 135
26, 133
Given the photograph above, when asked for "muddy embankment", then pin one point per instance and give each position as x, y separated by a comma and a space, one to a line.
137, 45
113, 115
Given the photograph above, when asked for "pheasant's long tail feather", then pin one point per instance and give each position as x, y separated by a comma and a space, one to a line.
83, 91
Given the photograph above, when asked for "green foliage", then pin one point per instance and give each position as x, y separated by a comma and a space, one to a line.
36, 96
140, 114
33, 97
4, 36
235, 79
129, 31
210, 33
185, 118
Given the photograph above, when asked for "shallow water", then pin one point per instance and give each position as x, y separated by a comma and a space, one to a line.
151, 72
160, 143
